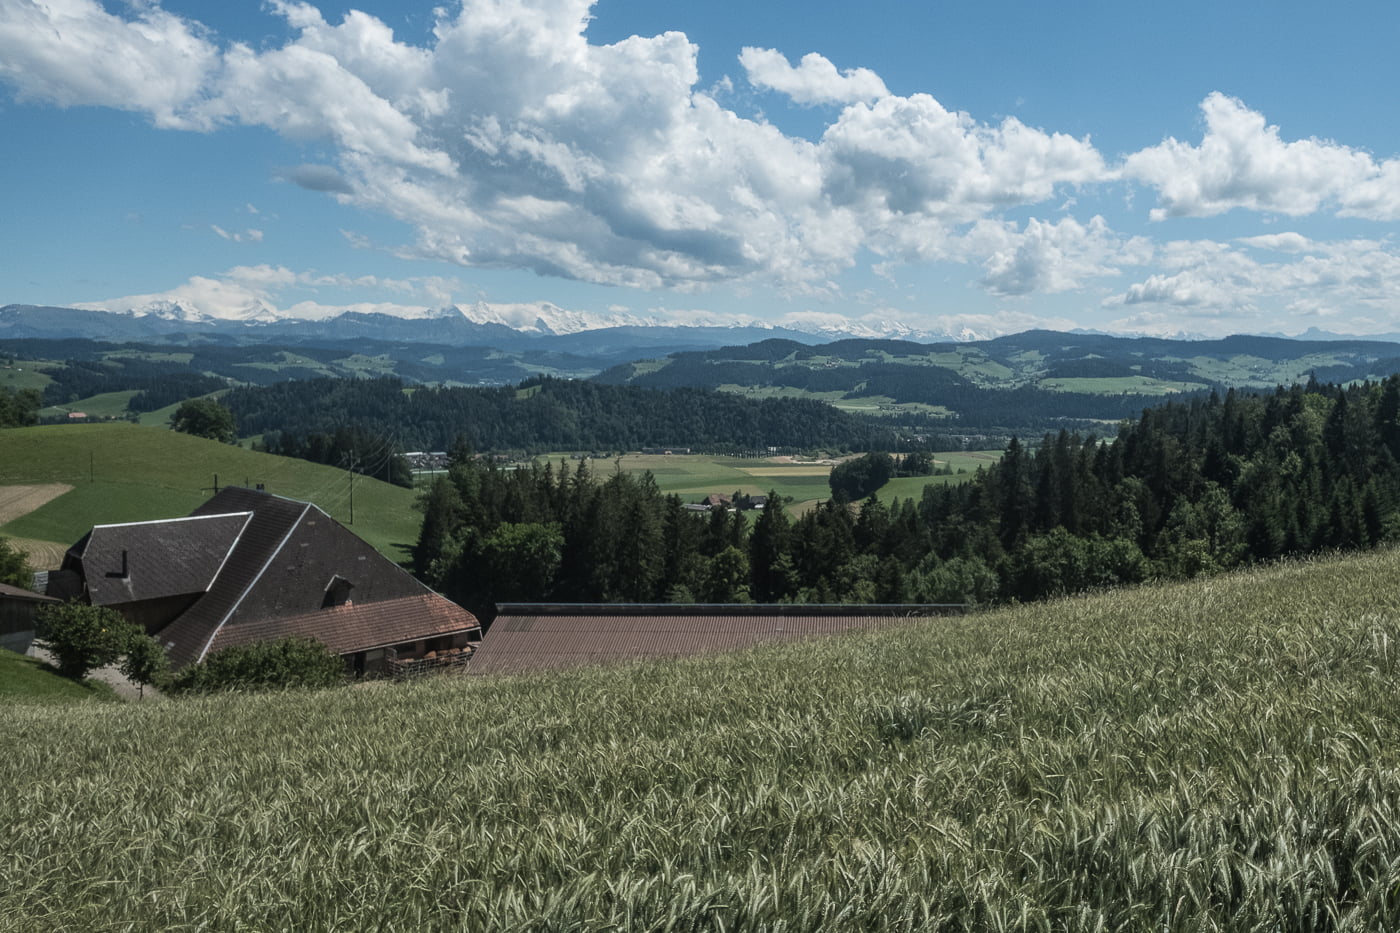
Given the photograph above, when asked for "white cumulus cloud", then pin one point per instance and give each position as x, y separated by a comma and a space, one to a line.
814, 81
509, 140
1242, 162
1311, 279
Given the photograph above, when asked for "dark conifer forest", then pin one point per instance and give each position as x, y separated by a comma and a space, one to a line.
1187, 489
544, 414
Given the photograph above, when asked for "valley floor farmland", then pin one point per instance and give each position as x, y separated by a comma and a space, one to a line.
693, 476
1223, 754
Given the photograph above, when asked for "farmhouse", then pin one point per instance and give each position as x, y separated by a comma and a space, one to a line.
17, 610
249, 566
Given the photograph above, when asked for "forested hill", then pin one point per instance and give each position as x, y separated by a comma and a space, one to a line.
1032, 381
1187, 489
544, 414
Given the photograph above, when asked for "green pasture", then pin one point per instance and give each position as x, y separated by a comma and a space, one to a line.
1214, 755
105, 405
982, 370
1119, 385
160, 418
26, 374
693, 477
368, 366
1255, 371
912, 487
122, 472
968, 460
886, 407
151, 356
762, 392
864, 405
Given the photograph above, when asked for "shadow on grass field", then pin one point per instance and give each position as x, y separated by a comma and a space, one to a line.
29, 680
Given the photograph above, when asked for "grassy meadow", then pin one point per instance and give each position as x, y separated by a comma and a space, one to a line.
1216, 755
25, 374
105, 405
122, 472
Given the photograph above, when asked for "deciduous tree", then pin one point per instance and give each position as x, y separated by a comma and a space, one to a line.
205, 417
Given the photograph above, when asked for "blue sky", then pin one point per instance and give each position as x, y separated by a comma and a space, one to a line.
1201, 168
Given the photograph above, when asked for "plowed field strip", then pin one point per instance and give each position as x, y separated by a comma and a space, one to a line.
16, 501
42, 555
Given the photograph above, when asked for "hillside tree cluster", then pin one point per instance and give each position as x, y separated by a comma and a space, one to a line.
19, 408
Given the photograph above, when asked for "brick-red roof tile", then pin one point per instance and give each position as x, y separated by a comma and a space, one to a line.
358, 627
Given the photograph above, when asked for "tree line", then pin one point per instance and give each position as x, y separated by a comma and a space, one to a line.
545, 414
156, 383
1189, 488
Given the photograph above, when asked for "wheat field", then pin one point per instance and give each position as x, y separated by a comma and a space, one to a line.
1216, 755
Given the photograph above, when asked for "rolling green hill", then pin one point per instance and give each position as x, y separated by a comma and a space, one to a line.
1213, 755
1030, 382
121, 472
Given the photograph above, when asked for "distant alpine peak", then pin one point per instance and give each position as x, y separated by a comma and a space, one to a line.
539, 317
892, 330
250, 311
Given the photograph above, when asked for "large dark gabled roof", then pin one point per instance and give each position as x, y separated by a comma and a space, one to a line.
283, 576
138, 561
273, 518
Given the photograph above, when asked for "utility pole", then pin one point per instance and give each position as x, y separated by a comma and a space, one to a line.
350, 463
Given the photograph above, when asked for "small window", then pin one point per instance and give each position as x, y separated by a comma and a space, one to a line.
337, 592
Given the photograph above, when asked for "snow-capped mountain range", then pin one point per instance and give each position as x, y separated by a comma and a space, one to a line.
541, 324
543, 318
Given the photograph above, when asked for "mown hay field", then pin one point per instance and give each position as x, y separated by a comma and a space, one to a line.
693, 476
1217, 755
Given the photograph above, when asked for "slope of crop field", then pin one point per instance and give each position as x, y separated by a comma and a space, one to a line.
121, 472
1214, 755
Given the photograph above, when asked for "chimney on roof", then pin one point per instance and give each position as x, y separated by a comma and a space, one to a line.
124, 573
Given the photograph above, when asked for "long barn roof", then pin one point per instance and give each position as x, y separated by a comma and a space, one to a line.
534, 638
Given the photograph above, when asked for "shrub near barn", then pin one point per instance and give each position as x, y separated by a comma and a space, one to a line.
83, 638
263, 665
